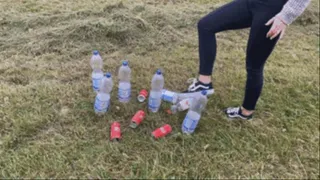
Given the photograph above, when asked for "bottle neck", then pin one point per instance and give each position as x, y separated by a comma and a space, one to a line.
97, 70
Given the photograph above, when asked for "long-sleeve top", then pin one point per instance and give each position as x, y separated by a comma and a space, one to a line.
292, 10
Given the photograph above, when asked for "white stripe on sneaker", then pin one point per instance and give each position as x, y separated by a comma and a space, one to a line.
194, 88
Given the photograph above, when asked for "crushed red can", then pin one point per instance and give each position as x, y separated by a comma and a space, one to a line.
162, 131
142, 95
115, 132
137, 119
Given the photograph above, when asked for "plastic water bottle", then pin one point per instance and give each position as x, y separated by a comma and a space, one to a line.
157, 84
182, 96
194, 114
97, 73
169, 96
124, 88
181, 106
102, 101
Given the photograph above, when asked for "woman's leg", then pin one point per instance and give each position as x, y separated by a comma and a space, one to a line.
234, 15
259, 49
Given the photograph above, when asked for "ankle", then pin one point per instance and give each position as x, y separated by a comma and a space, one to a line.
205, 79
246, 112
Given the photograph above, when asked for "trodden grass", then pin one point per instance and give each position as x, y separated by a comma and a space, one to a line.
48, 128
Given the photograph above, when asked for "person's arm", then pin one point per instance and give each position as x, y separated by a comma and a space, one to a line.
292, 10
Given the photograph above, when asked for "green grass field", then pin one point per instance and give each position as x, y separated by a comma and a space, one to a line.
48, 128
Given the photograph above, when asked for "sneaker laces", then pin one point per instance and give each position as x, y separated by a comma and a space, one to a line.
193, 82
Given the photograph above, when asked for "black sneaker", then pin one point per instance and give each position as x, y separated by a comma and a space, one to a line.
197, 87
235, 112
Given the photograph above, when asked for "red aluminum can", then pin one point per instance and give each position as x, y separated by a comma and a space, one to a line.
162, 131
143, 95
115, 132
137, 119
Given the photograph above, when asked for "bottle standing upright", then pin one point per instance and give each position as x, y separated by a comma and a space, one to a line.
102, 101
97, 73
124, 88
157, 84
194, 114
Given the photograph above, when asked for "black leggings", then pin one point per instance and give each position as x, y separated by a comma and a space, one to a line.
240, 14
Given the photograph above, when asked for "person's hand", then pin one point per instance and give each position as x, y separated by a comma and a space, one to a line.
278, 27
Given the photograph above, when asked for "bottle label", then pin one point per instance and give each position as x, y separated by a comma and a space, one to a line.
116, 129
167, 95
189, 124
96, 83
101, 106
185, 104
154, 103
124, 94
163, 131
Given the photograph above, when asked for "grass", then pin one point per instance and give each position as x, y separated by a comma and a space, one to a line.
48, 128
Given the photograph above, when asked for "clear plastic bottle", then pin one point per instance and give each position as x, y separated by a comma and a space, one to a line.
157, 84
124, 88
102, 101
181, 106
169, 96
182, 96
194, 114
97, 73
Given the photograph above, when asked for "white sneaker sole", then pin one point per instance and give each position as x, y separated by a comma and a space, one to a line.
232, 118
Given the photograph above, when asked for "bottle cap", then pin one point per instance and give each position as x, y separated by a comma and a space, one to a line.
95, 52
125, 63
158, 72
204, 92
108, 75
